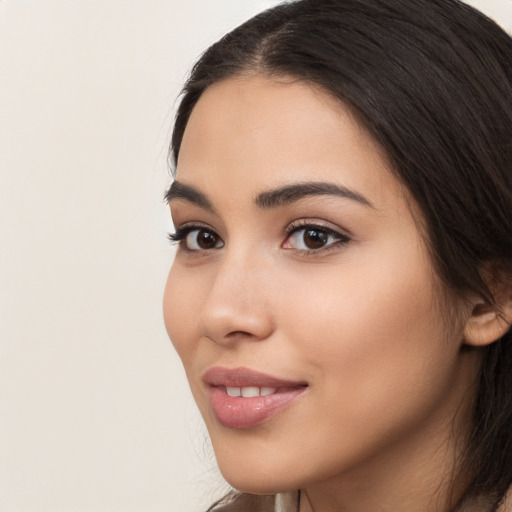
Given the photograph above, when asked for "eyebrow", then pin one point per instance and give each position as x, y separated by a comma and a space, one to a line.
274, 198
179, 191
283, 196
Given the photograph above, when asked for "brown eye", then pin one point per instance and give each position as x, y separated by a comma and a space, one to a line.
202, 240
314, 238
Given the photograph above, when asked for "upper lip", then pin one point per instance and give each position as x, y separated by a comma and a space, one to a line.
244, 377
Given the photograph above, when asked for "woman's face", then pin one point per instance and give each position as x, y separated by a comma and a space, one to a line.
302, 283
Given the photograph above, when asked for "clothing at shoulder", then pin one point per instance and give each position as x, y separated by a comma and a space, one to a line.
284, 502
248, 503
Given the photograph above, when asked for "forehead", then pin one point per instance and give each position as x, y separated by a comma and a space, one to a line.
257, 133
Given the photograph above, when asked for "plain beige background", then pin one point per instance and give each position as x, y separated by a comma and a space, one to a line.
95, 413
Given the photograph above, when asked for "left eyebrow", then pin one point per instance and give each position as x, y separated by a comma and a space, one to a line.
288, 194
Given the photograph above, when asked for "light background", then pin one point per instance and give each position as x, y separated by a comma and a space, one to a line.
95, 413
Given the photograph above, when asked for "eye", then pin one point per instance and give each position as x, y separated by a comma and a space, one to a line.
197, 238
313, 238
202, 240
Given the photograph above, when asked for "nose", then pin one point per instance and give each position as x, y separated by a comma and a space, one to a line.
238, 305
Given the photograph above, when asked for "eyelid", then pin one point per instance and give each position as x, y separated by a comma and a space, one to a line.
316, 223
340, 236
182, 231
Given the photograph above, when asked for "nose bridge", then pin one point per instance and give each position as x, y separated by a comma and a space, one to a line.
238, 303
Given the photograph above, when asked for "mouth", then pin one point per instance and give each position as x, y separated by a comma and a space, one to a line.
243, 398
252, 391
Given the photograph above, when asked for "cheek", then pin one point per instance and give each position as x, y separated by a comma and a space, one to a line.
372, 336
180, 311
377, 355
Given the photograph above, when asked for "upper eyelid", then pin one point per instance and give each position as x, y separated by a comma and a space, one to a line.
340, 241
180, 213
184, 228
290, 227
338, 234
195, 224
316, 223
333, 232
299, 223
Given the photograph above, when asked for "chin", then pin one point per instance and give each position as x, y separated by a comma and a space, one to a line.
257, 480
250, 485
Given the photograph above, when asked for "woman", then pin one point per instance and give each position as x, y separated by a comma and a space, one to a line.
341, 297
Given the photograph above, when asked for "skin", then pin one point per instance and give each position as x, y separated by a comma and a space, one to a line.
361, 321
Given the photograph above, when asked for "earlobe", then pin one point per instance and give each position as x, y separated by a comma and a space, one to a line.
487, 322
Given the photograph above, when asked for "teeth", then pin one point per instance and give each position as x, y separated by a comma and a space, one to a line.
233, 391
250, 391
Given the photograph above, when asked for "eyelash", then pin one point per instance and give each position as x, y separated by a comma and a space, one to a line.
181, 233
340, 239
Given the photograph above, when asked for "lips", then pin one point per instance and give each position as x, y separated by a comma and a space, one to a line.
243, 398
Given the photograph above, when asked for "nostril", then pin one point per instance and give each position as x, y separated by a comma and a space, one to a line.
236, 334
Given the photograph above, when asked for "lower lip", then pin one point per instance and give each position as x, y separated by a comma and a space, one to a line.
238, 412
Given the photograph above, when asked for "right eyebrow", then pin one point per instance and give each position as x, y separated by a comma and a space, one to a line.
181, 192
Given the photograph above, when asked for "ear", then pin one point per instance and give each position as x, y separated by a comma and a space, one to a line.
489, 322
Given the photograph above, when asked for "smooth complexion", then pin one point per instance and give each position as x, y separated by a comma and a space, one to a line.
350, 309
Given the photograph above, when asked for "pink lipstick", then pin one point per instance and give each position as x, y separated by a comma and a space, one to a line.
243, 398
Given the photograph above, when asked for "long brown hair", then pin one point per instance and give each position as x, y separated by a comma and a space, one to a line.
432, 82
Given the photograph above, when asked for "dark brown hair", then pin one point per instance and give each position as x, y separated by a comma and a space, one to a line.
432, 82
